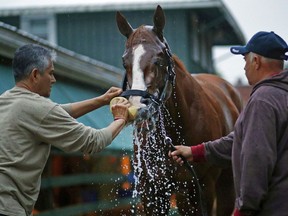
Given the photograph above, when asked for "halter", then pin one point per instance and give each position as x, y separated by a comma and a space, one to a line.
169, 79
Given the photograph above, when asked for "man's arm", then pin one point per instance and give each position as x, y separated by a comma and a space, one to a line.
116, 126
59, 129
80, 108
220, 149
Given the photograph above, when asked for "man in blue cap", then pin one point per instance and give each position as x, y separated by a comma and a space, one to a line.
258, 146
266, 46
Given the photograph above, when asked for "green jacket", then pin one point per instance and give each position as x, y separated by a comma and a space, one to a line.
29, 125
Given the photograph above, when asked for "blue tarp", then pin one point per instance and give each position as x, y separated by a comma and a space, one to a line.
68, 92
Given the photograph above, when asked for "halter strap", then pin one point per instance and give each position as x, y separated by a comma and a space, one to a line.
136, 92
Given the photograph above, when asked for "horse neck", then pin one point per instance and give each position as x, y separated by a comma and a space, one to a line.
186, 87
185, 101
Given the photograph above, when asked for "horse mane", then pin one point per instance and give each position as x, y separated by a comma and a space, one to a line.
227, 87
181, 71
179, 64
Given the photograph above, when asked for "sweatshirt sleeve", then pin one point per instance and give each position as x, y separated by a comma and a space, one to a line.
59, 129
219, 151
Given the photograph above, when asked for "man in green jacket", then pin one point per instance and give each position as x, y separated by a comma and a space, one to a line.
31, 123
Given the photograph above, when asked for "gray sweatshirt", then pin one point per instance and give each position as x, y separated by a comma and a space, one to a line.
29, 124
258, 149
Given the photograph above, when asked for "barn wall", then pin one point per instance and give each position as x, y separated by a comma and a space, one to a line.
97, 35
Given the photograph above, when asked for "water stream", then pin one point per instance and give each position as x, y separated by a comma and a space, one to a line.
152, 169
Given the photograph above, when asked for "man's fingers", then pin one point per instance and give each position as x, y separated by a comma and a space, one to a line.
178, 159
175, 152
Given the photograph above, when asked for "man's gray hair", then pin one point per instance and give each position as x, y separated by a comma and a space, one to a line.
29, 57
268, 60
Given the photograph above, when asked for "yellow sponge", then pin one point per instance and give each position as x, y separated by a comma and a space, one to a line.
132, 110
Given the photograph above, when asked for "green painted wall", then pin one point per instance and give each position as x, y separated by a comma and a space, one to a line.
96, 34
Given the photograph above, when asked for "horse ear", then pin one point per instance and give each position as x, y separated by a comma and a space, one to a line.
159, 22
123, 25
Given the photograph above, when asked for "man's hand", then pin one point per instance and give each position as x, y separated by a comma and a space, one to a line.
120, 110
110, 94
132, 110
185, 151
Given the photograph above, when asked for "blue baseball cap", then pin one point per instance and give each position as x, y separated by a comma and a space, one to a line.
267, 44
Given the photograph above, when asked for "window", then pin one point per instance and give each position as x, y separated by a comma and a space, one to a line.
43, 26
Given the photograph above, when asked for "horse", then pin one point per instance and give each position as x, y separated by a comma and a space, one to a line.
187, 109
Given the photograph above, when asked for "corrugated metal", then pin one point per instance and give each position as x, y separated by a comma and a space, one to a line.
91, 34
17, 7
97, 35
176, 32
69, 64
94, 33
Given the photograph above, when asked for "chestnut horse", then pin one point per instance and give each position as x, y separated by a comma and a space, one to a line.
188, 109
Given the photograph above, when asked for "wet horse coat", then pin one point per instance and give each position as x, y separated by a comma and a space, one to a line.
189, 109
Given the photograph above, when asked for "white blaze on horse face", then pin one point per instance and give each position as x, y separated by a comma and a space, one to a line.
138, 81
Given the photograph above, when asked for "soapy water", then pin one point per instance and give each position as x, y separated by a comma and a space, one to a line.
152, 170
150, 166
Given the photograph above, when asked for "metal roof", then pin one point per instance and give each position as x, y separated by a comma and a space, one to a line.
69, 64
17, 7
25, 7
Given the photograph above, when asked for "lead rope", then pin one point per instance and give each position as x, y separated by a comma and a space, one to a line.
168, 142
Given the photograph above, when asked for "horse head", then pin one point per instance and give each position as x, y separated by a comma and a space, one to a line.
148, 62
